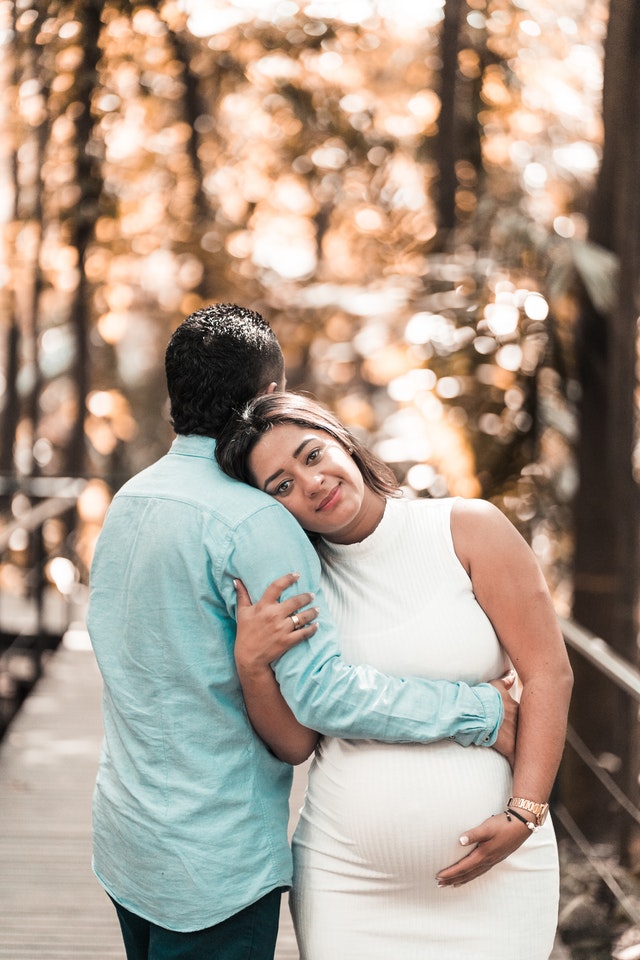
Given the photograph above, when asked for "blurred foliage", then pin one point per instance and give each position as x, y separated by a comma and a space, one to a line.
298, 158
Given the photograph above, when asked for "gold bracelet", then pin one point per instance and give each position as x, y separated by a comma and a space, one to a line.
539, 810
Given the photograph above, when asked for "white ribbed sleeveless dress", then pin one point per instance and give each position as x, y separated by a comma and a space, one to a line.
379, 820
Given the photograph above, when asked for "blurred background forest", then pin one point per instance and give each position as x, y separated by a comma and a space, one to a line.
401, 188
434, 203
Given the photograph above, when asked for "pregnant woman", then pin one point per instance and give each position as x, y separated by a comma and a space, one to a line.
408, 851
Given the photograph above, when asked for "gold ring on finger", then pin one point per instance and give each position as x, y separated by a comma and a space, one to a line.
295, 620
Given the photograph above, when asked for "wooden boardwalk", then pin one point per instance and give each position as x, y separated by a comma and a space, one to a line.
51, 905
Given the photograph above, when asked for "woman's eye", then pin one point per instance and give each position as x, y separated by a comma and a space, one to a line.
314, 455
282, 489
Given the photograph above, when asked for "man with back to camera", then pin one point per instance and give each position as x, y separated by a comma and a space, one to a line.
190, 806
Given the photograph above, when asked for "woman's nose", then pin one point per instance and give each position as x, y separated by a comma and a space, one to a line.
313, 483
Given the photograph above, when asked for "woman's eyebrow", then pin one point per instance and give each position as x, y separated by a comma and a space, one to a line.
296, 454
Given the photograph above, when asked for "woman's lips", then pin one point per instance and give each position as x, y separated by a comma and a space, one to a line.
330, 499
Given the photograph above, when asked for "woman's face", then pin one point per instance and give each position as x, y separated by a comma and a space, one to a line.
315, 478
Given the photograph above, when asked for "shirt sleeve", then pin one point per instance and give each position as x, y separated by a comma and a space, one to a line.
330, 695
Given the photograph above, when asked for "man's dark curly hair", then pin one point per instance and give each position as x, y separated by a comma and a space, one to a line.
216, 361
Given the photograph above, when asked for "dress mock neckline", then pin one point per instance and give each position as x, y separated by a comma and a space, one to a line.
385, 529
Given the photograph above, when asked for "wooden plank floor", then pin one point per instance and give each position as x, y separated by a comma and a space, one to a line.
51, 905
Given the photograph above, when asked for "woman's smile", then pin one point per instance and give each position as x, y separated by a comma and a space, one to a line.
331, 500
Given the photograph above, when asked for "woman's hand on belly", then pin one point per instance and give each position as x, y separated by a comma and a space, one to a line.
495, 839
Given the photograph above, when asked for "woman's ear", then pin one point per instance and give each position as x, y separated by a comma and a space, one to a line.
271, 388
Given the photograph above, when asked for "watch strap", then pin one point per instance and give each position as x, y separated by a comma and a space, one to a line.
539, 810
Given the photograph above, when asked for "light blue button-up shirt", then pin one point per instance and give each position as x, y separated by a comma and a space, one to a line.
190, 807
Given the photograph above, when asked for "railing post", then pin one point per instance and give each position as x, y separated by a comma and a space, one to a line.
38, 559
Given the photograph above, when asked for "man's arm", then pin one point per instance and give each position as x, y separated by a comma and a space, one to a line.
270, 714
337, 698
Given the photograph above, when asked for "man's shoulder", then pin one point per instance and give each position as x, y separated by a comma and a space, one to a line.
198, 485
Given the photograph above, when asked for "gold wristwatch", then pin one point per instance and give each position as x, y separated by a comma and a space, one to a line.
539, 810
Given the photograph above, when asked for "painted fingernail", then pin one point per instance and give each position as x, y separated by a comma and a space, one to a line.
464, 841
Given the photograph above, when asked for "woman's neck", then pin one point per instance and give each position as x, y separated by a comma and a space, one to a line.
364, 524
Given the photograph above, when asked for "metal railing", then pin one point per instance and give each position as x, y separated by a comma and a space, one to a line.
35, 610
626, 677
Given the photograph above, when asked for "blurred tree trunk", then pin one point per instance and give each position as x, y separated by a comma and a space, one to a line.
459, 130
12, 344
195, 110
447, 147
607, 568
22, 335
81, 222
10, 412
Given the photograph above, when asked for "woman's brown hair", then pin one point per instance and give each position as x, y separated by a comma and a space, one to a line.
239, 437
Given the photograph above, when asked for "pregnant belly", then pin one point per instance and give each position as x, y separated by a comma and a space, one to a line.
398, 809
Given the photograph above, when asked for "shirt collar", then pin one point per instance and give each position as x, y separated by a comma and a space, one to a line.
193, 445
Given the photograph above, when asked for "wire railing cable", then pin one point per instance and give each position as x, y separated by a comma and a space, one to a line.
603, 775
629, 905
